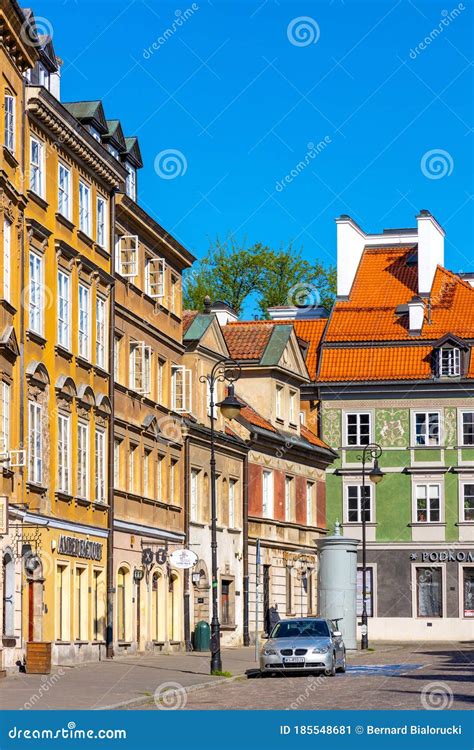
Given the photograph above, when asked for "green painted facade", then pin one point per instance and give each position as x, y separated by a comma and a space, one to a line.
403, 464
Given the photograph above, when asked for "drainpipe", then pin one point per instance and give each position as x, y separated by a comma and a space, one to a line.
187, 591
245, 542
109, 636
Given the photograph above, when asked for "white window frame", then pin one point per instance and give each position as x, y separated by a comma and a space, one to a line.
100, 454
427, 443
102, 233
461, 413
232, 498
194, 495
37, 181
430, 566
131, 181
126, 259
371, 505
64, 191
140, 367
267, 493
35, 442
160, 374
5, 400
279, 391
117, 461
64, 309
9, 132
84, 321
453, 361
463, 482
155, 277
182, 404
64, 453
310, 489
132, 452
7, 245
288, 492
35, 302
101, 332
85, 217
292, 407
83, 459
358, 415
427, 482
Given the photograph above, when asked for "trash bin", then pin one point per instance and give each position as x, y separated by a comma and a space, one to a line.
202, 636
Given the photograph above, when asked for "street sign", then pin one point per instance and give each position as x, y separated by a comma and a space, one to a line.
161, 556
183, 558
147, 556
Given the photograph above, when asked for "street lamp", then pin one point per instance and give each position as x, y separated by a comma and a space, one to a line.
225, 370
371, 451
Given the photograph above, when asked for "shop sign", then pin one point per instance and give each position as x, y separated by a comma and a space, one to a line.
161, 555
444, 556
70, 545
183, 558
3, 515
147, 556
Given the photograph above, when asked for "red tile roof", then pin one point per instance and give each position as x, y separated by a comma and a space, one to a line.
188, 317
248, 340
312, 438
376, 363
253, 417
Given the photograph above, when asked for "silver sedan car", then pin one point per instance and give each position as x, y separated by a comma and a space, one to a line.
307, 644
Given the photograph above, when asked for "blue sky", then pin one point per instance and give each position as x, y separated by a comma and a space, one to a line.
239, 100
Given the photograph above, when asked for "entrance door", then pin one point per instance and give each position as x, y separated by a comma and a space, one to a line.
138, 615
266, 597
31, 610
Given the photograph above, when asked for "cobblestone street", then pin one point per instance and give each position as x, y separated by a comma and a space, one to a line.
394, 676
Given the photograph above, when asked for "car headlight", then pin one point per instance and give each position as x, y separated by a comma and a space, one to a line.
269, 652
320, 650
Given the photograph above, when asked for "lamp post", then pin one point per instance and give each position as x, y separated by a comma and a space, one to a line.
225, 370
371, 451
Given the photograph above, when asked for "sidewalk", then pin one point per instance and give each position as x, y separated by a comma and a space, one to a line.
126, 679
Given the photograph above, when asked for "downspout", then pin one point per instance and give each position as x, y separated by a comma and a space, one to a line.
245, 542
109, 636
187, 591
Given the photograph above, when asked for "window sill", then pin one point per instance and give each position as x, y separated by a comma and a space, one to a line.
101, 371
10, 158
426, 447
38, 199
427, 523
228, 627
82, 501
83, 362
198, 524
36, 337
85, 238
177, 508
65, 496
65, 221
5, 303
63, 352
359, 523
99, 505
464, 523
39, 489
101, 250
279, 420
234, 530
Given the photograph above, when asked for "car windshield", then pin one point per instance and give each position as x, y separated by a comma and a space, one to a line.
301, 629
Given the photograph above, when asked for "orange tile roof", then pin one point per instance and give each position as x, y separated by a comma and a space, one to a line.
310, 331
312, 438
253, 417
248, 340
375, 363
188, 317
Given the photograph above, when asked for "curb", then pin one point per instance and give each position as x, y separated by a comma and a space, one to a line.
140, 700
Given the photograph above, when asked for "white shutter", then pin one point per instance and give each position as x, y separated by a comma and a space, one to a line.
128, 255
155, 277
17, 458
187, 390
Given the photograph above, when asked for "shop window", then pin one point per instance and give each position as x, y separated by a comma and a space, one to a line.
174, 604
369, 598
289, 589
358, 429
8, 626
429, 592
62, 602
359, 500
157, 604
98, 605
80, 604
468, 591
123, 584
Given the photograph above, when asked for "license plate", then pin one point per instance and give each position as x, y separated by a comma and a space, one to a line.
293, 660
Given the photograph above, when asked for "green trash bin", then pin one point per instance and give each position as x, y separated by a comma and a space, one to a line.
202, 636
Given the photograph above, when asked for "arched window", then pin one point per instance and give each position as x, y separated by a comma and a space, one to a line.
174, 623
8, 594
123, 585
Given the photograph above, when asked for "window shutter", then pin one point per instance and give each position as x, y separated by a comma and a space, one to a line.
187, 390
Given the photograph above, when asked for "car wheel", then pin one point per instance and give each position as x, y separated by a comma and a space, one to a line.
332, 670
342, 668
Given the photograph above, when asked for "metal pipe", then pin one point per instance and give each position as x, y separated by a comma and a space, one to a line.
109, 634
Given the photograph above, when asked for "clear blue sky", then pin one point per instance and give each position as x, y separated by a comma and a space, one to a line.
241, 102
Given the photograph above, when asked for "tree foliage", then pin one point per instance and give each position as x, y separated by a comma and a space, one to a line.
235, 274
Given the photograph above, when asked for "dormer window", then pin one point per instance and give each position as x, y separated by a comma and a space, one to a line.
43, 76
449, 362
94, 133
112, 150
131, 181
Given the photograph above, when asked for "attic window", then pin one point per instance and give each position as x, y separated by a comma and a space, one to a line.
131, 181
449, 362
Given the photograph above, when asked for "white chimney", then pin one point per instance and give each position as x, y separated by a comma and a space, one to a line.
351, 241
223, 312
430, 250
416, 315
